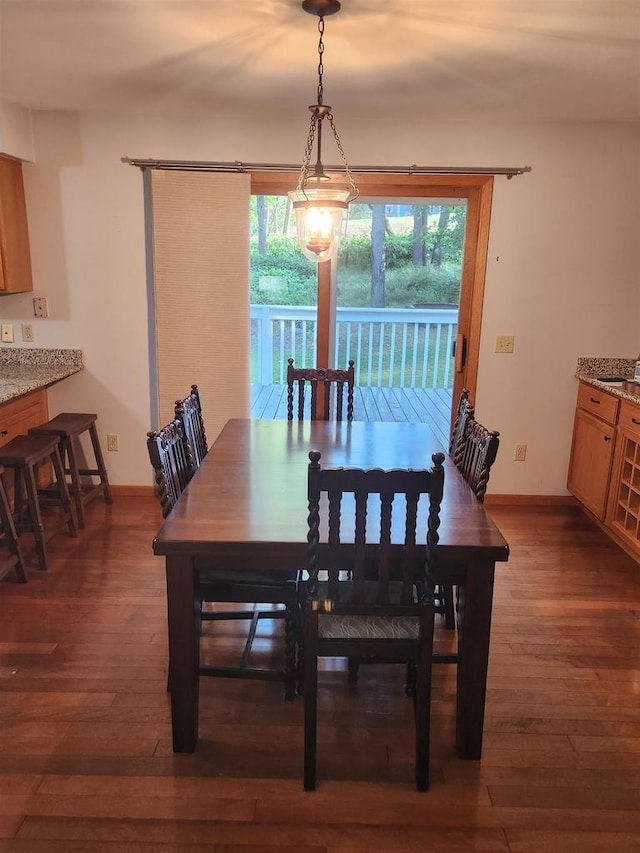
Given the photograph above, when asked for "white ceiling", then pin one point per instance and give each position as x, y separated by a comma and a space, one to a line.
498, 59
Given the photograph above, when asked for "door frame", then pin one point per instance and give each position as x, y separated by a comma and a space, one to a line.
478, 190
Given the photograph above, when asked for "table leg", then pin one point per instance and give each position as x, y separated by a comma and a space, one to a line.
184, 652
474, 632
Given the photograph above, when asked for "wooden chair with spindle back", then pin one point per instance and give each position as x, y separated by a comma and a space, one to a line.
476, 452
444, 592
189, 412
324, 377
464, 411
480, 448
374, 603
172, 461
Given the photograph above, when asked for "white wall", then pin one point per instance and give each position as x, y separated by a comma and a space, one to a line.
563, 272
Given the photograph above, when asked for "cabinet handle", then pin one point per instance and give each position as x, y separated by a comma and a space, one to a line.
635, 421
4, 432
593, 400
607, 438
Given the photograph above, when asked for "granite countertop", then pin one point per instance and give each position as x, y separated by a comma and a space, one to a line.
23, 370
589, 369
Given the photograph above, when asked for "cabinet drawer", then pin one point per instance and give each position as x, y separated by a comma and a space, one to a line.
18, 416
629, 417
599, 403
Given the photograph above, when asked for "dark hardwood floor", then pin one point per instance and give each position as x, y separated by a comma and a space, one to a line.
85, 742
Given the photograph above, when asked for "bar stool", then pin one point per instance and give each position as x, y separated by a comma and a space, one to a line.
23, 454
68, 427
15, 559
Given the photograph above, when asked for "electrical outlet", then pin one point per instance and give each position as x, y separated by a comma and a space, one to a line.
27, 332
40, 306
7, 333
520, 453
504, 343
113, 441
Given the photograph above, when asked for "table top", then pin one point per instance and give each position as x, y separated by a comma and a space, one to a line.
249, 496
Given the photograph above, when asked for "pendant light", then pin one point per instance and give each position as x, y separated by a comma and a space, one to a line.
321, 209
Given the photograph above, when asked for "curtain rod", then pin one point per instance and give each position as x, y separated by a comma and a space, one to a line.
237, 166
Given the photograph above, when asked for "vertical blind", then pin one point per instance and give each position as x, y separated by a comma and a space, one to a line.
201, 292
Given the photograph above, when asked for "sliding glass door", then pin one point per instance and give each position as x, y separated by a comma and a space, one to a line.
401, 300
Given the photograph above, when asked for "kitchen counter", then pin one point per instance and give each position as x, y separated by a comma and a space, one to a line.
23, 370
589, 369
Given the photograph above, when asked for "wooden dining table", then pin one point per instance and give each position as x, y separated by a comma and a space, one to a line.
246, 507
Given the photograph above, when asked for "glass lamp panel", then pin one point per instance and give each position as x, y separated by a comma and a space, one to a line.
320, 219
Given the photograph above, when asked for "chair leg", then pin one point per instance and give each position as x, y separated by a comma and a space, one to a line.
423, 700
290, 646
353, 669
310, 698
449, 608
411, 679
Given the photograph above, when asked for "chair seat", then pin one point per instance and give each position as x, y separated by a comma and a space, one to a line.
27, 449
66, 424
349, 627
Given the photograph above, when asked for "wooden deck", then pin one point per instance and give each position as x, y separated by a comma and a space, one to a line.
413, 405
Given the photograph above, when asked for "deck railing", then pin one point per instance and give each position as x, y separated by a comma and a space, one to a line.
391, 347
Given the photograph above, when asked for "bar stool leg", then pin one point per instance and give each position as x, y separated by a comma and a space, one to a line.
11, 535
65, 498
102, 468
68, 446
37, 526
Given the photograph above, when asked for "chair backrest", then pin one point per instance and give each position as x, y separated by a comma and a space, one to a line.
374, 496
172, 462
320, 376
464, 411
189, 411
479, 453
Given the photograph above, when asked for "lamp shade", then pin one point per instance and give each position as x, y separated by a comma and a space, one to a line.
320, 220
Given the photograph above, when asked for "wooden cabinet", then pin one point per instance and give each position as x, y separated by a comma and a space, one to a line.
592, 449
624, 505
18, 416
604, 468
15, 256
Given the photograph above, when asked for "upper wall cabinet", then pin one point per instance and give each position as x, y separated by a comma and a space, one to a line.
15, 257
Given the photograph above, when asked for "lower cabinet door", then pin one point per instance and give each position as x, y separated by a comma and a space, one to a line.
591, 462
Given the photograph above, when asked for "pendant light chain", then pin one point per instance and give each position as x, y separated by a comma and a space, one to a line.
308, 150
352, 184
316, 117
320, 65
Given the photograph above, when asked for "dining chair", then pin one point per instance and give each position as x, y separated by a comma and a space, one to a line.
480, 448
173, 464
320, 380
374, 602
444, 593
189, 413
464, 411
477, 451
